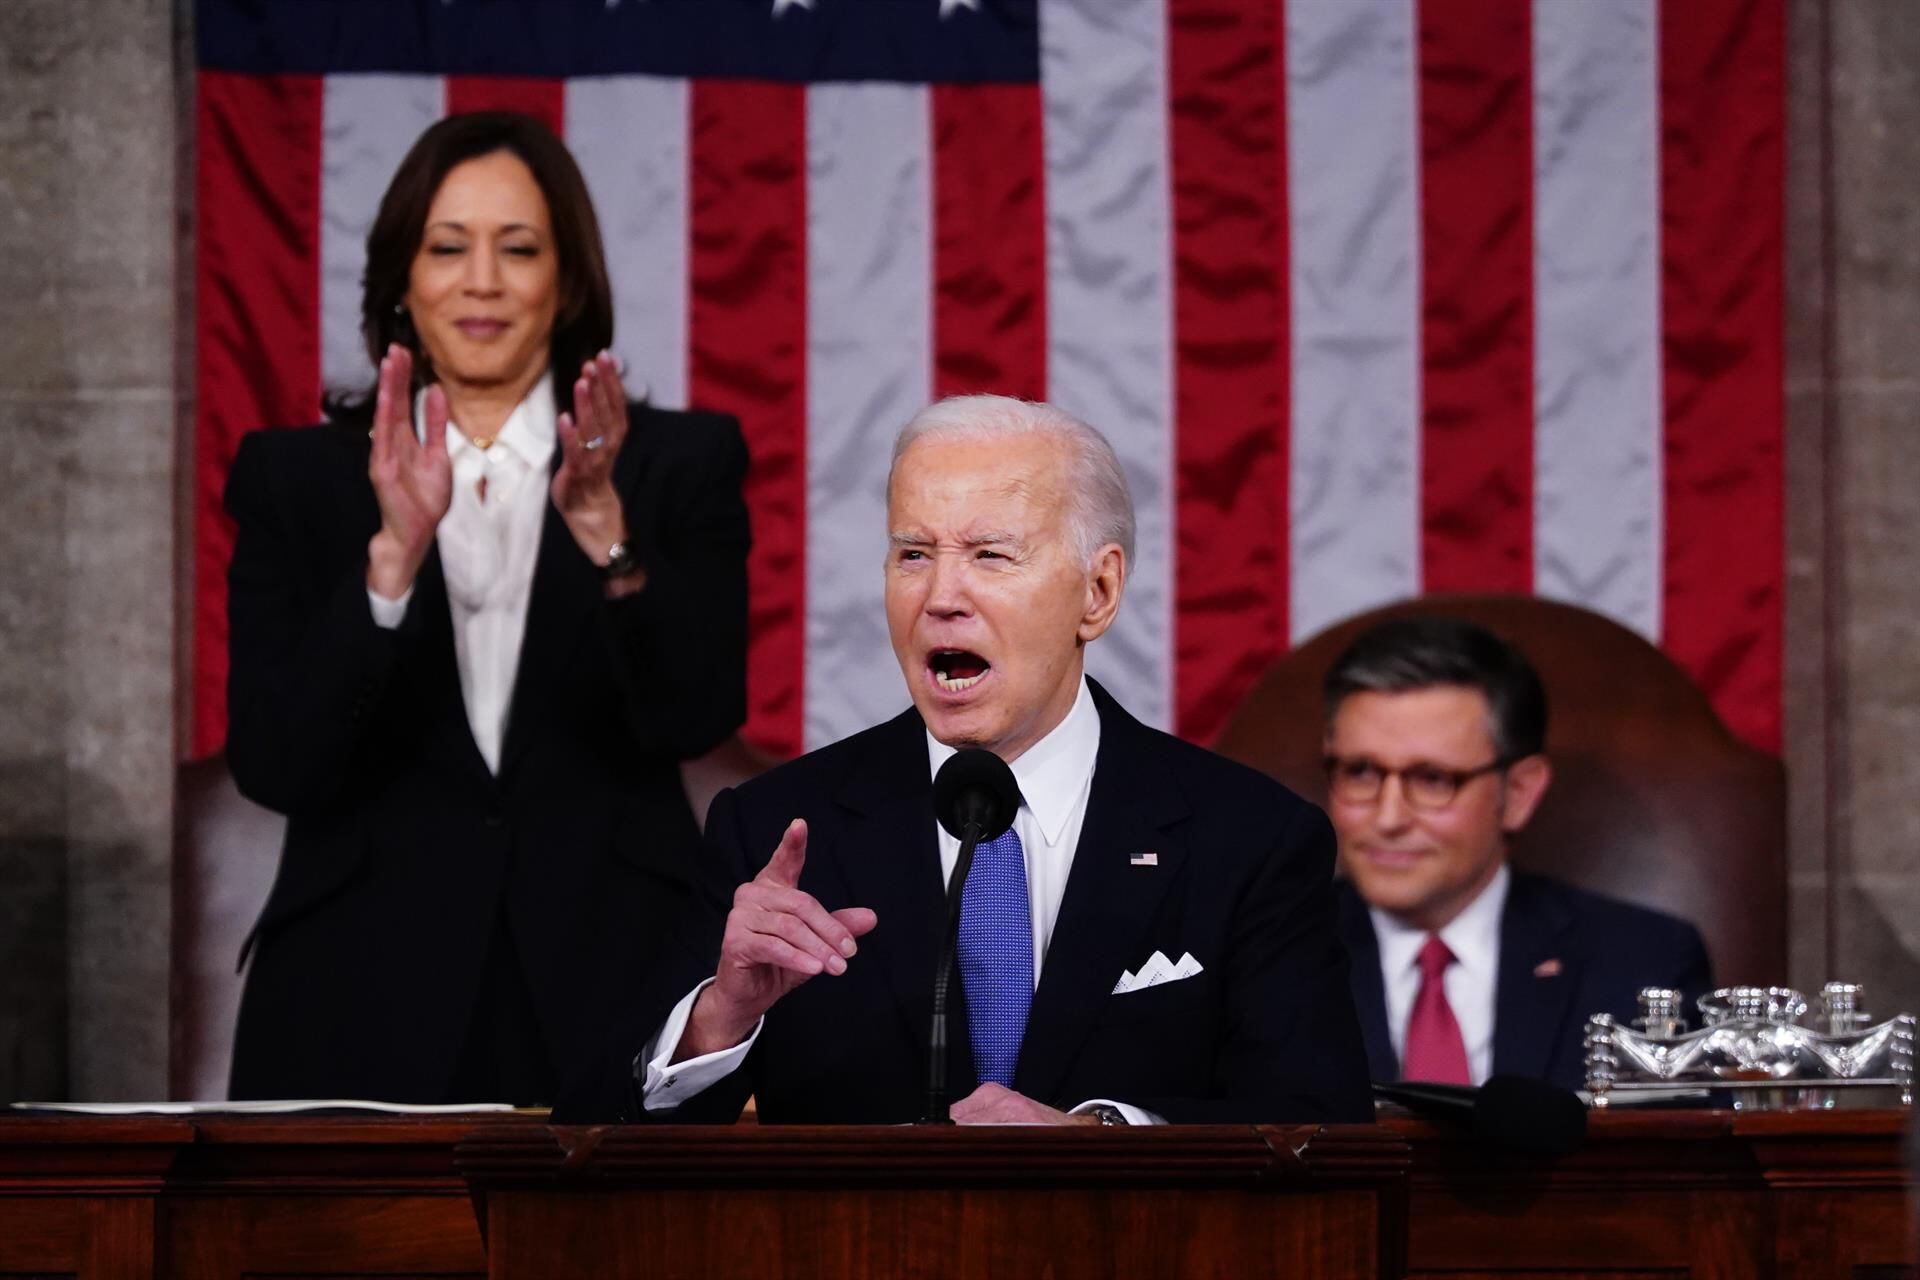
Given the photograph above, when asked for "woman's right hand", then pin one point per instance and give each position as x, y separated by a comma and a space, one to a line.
412, 479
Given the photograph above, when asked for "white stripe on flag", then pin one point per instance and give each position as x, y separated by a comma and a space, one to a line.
1109, 295
869, 369
1597, 387
370, 122
1354, 248
629, 134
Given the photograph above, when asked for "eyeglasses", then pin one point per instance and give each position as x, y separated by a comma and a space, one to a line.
1427, 787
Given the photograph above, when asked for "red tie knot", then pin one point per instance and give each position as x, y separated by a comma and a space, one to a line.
1434, 958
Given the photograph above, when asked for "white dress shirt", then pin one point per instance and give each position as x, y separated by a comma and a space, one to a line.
1055, 777
1471, 981
489, 541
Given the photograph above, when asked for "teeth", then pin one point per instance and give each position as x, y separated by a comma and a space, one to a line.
954, 684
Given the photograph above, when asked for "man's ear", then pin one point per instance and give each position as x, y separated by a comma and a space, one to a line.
1106, 580
1527, 782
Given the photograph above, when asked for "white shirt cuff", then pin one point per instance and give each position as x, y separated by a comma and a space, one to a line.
1133, 1114
387, 614
669, 1083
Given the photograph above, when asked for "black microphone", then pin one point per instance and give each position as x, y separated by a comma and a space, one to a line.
975, 798
1512, 1113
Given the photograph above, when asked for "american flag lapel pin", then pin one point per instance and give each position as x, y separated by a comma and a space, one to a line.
1547, 969
1143, 860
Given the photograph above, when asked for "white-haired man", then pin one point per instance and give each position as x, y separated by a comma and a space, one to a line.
1153, 941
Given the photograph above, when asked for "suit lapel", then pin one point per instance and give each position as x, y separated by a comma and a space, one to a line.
1108, 902
1369, 985
565, 595
435, 619
1537, 979
889, 855
428, 617
566, 590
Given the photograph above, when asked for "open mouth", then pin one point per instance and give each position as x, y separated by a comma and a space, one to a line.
957, 670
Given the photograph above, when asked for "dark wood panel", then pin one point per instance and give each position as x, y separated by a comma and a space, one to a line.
1808, 1195
875, 1234
1073, 1204
227, 1237
1811, 1196
1555, 1274
90, 1239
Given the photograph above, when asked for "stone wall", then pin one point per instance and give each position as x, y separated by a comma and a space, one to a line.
88, 441
1854, 494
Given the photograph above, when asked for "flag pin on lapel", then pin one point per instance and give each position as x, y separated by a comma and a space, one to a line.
1143, 860
1547, 969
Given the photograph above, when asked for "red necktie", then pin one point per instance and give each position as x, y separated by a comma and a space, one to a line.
1435, 1048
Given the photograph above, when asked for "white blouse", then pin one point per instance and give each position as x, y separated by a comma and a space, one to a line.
489, 541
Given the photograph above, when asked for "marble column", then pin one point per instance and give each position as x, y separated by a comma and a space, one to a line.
1853, 466
90, 411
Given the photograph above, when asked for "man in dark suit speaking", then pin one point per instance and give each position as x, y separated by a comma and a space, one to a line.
1462, 967
1153, 940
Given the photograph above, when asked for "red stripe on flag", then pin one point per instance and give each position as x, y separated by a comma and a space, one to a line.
747, 344
1226, 85
989, 241
257, 328
1722, 121
1476, 204
544, 99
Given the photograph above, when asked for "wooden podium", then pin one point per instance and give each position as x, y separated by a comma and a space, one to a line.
1807, 1196
771, 1203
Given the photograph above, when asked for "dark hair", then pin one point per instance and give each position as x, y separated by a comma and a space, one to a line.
584, 323
1405, 654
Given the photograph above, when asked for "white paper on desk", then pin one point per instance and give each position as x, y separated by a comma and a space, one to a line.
265, 1107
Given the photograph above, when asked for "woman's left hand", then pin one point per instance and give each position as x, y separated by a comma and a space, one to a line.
590, 440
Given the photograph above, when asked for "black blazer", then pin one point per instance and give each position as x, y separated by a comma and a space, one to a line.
1243, 880
1565, 955
401, 848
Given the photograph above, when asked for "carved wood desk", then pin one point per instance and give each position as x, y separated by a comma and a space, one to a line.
1709, 1194
759, 1203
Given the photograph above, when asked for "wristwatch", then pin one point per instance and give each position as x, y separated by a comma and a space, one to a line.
621, 563
1107, 1115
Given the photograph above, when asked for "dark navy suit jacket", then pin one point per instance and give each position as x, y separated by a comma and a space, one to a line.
1565, 954
1241, 878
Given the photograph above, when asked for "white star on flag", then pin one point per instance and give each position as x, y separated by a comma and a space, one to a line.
949, 6
781, 6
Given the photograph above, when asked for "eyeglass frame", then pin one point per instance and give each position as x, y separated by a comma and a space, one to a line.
1458, 778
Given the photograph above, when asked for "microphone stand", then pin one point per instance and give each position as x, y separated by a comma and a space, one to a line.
936, 1112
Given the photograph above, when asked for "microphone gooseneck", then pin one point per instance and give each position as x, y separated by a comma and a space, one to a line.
975, 797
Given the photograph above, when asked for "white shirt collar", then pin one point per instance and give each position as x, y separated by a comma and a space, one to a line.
1053, 772
1473, 936
529, 431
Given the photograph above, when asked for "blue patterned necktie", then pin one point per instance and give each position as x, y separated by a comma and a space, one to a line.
996, 956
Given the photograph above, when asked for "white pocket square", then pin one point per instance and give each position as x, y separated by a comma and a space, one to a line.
1157, 970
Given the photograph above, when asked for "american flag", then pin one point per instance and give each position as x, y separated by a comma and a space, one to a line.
1374, 297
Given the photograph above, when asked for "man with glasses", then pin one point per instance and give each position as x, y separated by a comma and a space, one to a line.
1463, 967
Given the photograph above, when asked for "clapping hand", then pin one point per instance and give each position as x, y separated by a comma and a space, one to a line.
412, 479
590, 439
777, 937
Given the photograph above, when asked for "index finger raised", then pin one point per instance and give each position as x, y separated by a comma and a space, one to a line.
783, 868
